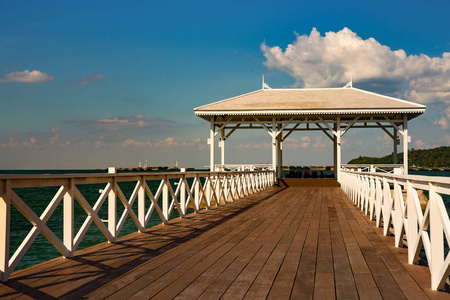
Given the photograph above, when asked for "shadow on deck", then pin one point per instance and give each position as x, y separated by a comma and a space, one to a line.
309, 182
286, 242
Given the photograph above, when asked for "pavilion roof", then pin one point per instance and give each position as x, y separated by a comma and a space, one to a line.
336, 101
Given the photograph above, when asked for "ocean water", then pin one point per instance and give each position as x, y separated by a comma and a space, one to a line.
38, 199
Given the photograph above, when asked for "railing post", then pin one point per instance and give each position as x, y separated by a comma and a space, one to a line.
264, 178
233, 186
367, 198
248, 183
183, 192
372, 198
398, 214
197, 193
244, 184
258, 182
68, 217
252, 182
207, 191
436, 240
165, 200
5, 215
413, 219
387, 207
239, 185
225, 188
141, 202
378, 203
112, 207
217, 190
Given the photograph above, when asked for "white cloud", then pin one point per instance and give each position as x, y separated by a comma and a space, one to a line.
54, 139
13, 144
89, 78
253, 146
444, 121
31, 142
131, 142
133, 99
445, 140
320, 143
330, 60
123, 122
171, 142
385, 140
296, 144
27, 77
167, 143
99, 144
420, 144
195, 143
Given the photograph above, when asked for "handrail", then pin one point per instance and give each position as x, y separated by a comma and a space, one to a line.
411, 224
206, 188
386, 168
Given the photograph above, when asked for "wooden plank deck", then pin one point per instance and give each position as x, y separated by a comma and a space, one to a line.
294, 242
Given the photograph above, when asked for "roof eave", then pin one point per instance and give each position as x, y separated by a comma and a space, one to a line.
308, 112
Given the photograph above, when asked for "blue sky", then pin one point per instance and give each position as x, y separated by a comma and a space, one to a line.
92, 84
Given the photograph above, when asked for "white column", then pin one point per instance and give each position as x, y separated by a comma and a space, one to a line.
338, 148
395, 145
280, 153
274, 145
335, 154
222, 149
211, 146
405, 144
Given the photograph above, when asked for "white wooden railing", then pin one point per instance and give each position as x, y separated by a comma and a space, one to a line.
206, 189
410, 224
386, 168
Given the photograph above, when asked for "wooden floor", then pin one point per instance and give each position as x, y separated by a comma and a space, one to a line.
295, 242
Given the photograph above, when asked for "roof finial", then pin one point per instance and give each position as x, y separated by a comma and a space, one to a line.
265, 85
350, 83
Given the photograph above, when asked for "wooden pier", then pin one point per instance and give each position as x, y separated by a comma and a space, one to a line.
294, 242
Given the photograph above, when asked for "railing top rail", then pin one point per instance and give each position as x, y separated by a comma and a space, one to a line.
39, 180
108, 175
433, 179
375, 165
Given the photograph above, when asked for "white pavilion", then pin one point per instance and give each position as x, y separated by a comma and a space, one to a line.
331, 110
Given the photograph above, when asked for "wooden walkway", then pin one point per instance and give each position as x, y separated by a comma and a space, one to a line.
296, 242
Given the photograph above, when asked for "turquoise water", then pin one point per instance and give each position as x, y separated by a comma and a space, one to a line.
38, 199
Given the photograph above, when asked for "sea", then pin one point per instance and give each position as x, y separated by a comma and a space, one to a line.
38, 198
